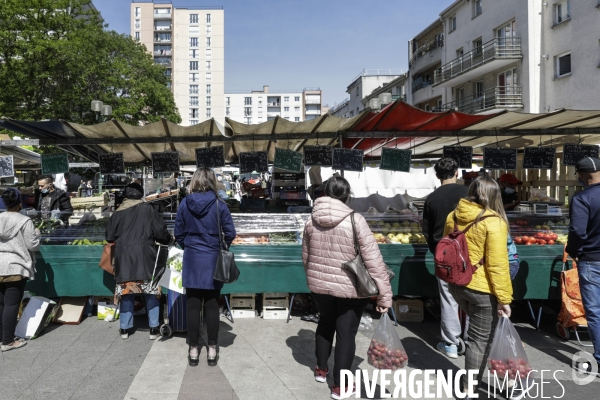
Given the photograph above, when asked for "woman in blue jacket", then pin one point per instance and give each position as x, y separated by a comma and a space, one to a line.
196, 231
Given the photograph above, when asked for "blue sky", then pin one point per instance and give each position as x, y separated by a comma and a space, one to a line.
293, 44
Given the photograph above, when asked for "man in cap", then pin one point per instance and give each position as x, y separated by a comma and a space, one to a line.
508, 184
584, 247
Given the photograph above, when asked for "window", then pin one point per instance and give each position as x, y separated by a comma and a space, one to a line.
193, 89
208, 18
227, 112
208, 89
193, 18
208, 53
194, 31
478, 46
194, 42
439, 105
208, 101
247, 111
208, 76
137, 36
357, 111
193, 101
227, 101
193, 122
247, 101
138, 25
352, 113
208, 65
479, 89
452, 24
248, 120
563, 65
207, 42
288, 118
426, 107
208, 30
476, 8
460, 96
562, 12
194, 78
286, 109
296, 109
193, 65
208, 113
138, 11
297, 98
296, 119
194, 53
194, 113
356, 92
286, 99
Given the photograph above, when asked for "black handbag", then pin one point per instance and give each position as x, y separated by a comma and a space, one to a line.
225, 271
365, 285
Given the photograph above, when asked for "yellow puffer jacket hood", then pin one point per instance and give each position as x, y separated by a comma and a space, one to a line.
487, 240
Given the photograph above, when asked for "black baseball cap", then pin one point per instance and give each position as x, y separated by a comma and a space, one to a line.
588, 164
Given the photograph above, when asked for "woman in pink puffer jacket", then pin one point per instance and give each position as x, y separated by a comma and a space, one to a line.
328, 242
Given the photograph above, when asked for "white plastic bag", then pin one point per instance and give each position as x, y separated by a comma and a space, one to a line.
386, 350
507, 355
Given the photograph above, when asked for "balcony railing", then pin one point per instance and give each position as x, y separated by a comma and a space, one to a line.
499, 48
426, 48
398, 96
162, 27
162, 53
273, 104
496, 97
162, 40
313, 101
161, 15
422, 84
163, 63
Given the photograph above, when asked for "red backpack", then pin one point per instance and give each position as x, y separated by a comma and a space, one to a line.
452, 262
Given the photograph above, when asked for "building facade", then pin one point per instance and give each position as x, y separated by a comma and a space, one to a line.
363, 85
387, 93
259, 106
189, 42
482, 56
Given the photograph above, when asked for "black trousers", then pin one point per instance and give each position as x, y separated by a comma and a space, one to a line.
211, 314
342, 317
11, 294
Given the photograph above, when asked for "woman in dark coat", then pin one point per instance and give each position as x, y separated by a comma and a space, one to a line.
136, 227
197, 232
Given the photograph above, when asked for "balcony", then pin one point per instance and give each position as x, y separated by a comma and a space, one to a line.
313, 101
312, 112
421, 85
499, 97
492, 55
398, 96
427, 55
163, 53
247, 113
166, 64
273, 104
162, 15
162, 28
162, 40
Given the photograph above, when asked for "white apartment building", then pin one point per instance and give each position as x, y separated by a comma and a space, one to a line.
259, 106
387, 93
362, 86
189, 42
482, 56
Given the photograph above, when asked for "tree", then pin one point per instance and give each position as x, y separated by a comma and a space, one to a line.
56, 57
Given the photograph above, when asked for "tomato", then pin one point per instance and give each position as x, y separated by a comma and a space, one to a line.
554, 236
539, 235
551, 241
518, 240
541, 242
529, 244
545, 236
525, 239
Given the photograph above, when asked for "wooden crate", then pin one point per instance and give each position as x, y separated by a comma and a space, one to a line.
242, 301
87, 202
409, 310
279, 300
243, 313
275, 313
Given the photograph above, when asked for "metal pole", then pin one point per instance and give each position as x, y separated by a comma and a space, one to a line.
340, 148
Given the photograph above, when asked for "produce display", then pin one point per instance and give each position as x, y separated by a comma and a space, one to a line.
534, 229
396, 228
382, 358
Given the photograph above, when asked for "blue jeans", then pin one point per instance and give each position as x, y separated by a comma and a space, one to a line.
589, 283
126, 310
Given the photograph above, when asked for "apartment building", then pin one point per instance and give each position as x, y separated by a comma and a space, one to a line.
259, 106
482, 56
387, 93
189, 42
362, 86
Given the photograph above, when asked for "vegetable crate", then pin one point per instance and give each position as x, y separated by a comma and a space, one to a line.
409, 310
88, 202
275, 305
243, 305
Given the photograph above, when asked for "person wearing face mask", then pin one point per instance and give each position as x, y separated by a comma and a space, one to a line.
584, 247
51, 201
508, 186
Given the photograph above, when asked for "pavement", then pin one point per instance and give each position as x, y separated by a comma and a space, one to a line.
259, 359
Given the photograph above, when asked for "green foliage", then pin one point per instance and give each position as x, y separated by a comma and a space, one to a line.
54, 63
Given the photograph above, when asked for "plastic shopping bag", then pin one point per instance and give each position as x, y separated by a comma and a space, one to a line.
507, 355
386, 350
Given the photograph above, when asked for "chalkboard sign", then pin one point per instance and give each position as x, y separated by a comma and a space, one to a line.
288, 160
253, 161
495, 158
395, 160
165, 162
111, 163
57, 163
462, 154
539, 157
318, 155
210, 157
572, 153
7, 167
348, 159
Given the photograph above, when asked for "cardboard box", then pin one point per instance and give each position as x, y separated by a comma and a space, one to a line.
105, 308
409, 310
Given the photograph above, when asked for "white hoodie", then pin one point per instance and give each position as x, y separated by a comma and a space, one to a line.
18, 238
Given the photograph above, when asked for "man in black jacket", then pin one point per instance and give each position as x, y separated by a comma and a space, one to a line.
437, 206
51, 201
584, 247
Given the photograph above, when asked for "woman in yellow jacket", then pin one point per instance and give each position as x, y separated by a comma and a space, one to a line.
489, 293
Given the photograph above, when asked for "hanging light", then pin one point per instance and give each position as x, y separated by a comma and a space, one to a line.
106, 110
97, 105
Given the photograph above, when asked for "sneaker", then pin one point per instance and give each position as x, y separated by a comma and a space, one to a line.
451, 351
321, 374
520, 389
154, 333
124, 333
14, 345
335, 392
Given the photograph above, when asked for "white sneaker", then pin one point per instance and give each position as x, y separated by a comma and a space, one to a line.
17, 343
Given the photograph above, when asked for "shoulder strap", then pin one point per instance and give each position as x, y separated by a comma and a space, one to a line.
221, 242
356, 246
